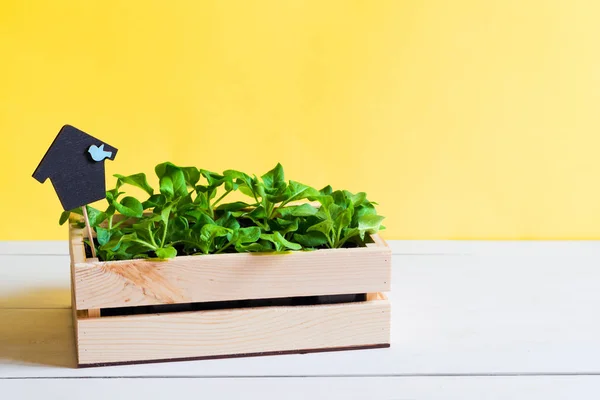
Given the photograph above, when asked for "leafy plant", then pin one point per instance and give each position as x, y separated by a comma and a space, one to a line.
188, 215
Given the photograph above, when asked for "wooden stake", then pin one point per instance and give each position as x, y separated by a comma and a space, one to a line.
89, 230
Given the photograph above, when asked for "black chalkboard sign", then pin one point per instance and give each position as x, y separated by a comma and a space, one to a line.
74, 163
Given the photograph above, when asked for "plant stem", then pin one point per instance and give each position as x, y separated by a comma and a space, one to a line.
145, 244
221, 198
164, 236
210, 208
117, 224
152, 237
342, 241
223, 248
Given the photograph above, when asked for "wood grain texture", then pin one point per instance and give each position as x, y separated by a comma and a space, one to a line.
223, 277
233, 332
240, 355
77, 254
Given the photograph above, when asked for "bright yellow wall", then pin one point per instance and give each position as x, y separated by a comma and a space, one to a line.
464, 119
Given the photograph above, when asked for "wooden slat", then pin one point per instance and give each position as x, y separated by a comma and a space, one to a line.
233, 332
76, 246
232, 277
77, 250
379, 241
77, 254
376, 296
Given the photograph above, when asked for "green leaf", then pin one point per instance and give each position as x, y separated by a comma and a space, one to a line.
166, 187
64, 217
130, 207
112, 195
156, 200
324, 227
96, 216
274, 178
234, 179
285, 226
246, 190
257, 213
179, 185
348, 233
369, 224
327, 190
141, 255
246, 184
247, 235
227, 221
115, 242
194, 214
280, 242
110, 211
276, 195
165, 213
211, 231
201, 199
181, 224
343, 219
166, 252
325, 200
332, 211
298, 191
235, 206
362, 210
311, 239
304, 210
214, 180
122, 252
244, 235
208, 234
171, 180
286, 243
358, 198
103, 235
191, 175
262, 246
77, 211
137, 180
161, 169
144, 230
203, 219
340, 198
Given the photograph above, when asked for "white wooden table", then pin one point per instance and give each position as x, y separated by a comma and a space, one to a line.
470, 320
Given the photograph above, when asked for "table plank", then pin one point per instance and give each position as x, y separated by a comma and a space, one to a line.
527, 248
450, 315
35, 281
381, 388
41, 247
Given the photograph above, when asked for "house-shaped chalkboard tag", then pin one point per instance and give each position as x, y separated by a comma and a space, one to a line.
74, 163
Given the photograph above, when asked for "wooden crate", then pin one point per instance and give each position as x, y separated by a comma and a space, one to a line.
99, 289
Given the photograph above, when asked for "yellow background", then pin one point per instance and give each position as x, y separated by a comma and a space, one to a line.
463, 119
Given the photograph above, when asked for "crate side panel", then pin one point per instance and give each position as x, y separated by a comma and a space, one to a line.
77, 255
232, 332
232, 277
